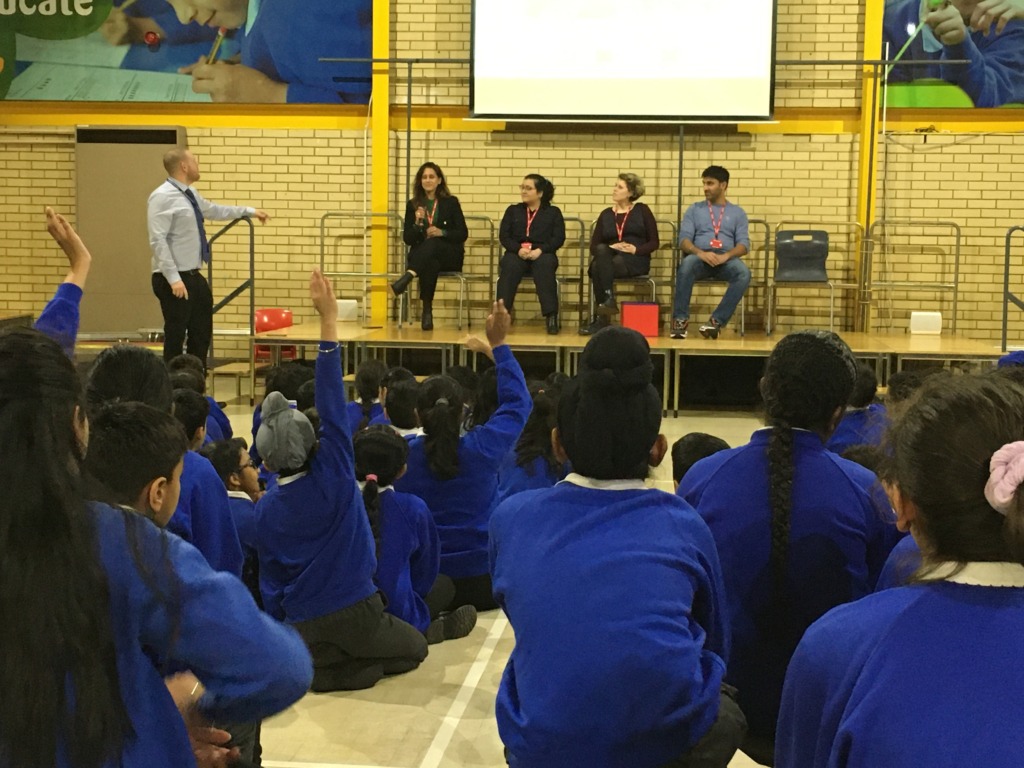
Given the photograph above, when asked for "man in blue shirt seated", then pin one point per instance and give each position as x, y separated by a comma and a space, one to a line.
713, 237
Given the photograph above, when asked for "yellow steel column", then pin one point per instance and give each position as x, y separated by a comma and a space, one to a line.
380, 192
870, 115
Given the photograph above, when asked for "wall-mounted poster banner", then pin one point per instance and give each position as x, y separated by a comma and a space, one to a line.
948, 31
240, 51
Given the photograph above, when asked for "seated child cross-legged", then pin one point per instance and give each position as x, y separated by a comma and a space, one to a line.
315, 547
926, 675
457, 475
614, 591
408, 550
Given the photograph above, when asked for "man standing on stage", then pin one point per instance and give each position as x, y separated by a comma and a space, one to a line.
713, 237
177, 236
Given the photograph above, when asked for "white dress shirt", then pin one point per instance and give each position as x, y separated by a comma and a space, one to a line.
174, 231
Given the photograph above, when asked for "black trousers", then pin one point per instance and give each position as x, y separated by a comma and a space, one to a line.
476, 591
430, 258
192, 316
609, 264
355, 647
440, 596
513, 269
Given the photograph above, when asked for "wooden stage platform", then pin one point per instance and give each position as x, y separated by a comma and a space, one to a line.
887, 351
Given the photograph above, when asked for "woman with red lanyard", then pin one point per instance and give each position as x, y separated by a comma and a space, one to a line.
532, 232
435, 231
621, 245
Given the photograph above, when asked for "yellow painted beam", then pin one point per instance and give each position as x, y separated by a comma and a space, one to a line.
380, 179
870, 122
291, 116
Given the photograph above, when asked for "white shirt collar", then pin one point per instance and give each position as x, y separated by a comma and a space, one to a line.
239, 495
604, 485
983, 574
414, 432
362, 486
291, 478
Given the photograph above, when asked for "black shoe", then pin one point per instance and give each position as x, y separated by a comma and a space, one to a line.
452, 626
427, 320
398, 287
710, 329
608, 306
553, 325
596, 324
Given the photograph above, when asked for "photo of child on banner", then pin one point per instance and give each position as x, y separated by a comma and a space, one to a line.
986, 33
241, 51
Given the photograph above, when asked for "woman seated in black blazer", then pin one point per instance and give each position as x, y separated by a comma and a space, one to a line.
435, 231
532, 232
621, 245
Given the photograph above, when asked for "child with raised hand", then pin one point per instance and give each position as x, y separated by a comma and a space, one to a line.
614, 592
456, 475
367, 405
123, 593
532, 463
923, 675
60, 317
408, 550
799, 530
316, 550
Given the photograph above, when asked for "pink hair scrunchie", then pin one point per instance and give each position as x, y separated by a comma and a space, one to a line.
1006, 474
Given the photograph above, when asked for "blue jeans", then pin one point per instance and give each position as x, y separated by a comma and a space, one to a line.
692, 269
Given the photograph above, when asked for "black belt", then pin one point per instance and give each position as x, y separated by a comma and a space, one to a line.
190, 272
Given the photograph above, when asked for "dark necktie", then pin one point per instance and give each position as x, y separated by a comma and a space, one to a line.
204, 245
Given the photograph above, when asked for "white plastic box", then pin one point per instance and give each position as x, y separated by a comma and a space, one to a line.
348, 310
927, 323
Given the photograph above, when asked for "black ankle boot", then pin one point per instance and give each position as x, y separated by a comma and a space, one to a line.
398, 287
553, 325
427, 319
608, 306
596, 324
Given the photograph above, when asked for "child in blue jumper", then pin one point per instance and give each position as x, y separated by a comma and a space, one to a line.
457, 475
400, 409
614, 592
927, 674
691, 448
799, 529
865, 420
368, 404
218, 425
408, 550
127, 373
532, 463
314, 542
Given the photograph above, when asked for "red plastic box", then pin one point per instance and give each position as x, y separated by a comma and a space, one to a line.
642, 317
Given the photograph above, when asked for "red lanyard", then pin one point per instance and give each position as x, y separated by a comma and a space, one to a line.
529, 219
619, 230
430, 212
711, 212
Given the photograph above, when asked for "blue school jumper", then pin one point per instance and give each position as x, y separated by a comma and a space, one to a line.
355, 415
462, 506
286, 43
925, 676
250, 665
218, 423
410, 556
243, 513
312, 534
513, 478
60, 317
862, 426
615, 594
842, 529
203, 516
901, 564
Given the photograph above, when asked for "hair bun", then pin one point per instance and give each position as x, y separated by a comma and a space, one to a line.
613, 381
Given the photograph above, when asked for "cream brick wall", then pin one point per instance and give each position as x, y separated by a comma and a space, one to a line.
298, 175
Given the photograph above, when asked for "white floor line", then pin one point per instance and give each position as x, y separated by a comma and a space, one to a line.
285, 764
437, 748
